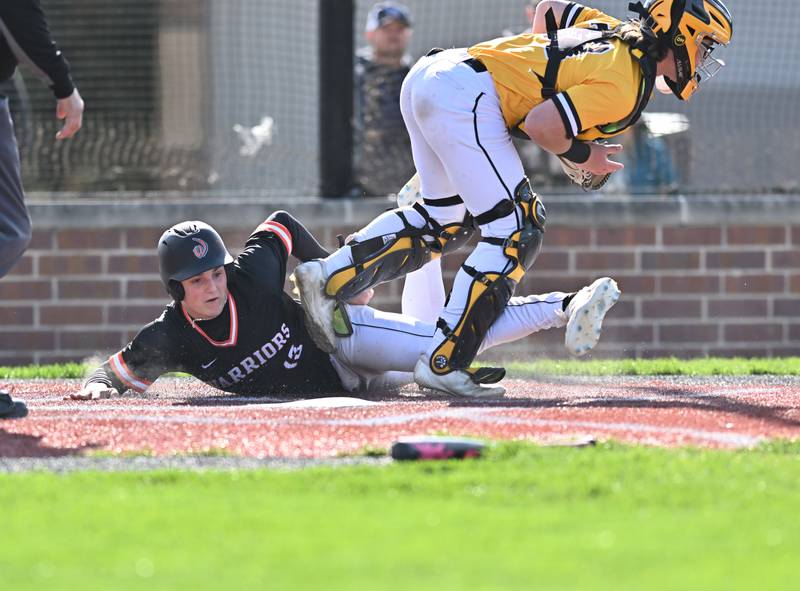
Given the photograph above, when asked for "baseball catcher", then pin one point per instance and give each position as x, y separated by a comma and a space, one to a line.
579, 76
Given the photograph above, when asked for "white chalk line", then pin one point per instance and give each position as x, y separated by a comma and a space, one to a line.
475, 415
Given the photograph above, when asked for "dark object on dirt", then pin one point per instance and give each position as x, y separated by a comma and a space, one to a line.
430, 447
11, 409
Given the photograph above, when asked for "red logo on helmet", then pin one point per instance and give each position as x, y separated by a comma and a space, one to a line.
201, 249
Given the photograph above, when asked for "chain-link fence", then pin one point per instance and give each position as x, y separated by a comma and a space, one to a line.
223, 96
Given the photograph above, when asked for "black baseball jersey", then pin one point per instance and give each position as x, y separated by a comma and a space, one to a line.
257, 345
24, 36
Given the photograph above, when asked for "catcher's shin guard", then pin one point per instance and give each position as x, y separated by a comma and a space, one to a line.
383, 258
486, 300
489, 292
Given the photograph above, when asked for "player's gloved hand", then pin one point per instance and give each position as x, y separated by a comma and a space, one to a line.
93, 391
70, 109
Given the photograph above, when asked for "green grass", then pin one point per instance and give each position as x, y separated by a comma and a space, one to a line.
525, 517
711, 366
667, 366
55, 371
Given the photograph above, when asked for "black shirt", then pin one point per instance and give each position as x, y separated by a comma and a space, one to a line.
258, 344
24, 36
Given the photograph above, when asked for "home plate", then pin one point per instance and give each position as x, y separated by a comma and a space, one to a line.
330, 402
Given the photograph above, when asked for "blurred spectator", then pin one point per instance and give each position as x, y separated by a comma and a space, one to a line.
382, 150
648, 161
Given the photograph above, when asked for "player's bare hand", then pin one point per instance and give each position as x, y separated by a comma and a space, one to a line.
70, 110
363, 298
93, 392
598, 162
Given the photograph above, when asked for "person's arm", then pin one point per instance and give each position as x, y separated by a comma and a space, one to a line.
567, 14
25, 30
557, 6
302, 243
134, 368
99, 384
545, 126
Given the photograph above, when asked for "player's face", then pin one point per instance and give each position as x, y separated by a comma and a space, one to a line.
666, 66
205, 294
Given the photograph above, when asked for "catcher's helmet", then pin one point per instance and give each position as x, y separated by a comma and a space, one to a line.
188, 249
684, 26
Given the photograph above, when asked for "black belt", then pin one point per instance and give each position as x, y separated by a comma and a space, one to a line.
472, 62
443, 202
475, 64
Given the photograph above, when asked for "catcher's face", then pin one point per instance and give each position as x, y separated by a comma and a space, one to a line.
205, 294
705, 66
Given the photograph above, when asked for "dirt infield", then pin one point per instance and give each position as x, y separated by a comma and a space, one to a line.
181, 416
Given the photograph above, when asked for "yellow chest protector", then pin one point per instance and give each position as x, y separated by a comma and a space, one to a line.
571, 41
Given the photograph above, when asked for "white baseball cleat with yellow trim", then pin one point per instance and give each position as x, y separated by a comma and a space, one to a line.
457, 383
585, 313
309, 279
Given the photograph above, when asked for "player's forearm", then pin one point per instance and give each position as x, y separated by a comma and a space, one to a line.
23, 24
544, 126
304, 245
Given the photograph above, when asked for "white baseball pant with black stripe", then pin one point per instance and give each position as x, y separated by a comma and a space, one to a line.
461, 147
382, 351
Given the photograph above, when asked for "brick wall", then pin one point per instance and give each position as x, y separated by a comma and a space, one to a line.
710, 276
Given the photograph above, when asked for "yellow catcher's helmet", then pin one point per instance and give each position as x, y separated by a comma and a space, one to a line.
686, 26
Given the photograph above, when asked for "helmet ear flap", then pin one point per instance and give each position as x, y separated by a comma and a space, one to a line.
175, 290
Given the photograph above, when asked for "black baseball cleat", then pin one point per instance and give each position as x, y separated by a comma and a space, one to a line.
486, 375
10, 408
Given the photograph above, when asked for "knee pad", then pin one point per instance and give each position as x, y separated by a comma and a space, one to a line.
383, 258
524, 245
487, 298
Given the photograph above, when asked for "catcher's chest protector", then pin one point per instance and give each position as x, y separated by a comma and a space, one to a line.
564, 42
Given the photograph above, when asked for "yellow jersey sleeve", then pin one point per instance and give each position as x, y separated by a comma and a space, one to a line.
577, 14
597, 86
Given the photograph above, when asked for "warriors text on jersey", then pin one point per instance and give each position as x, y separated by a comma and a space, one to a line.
597, 85
257, 345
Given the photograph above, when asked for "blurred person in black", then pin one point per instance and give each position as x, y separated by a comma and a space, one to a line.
25, 38
382, 149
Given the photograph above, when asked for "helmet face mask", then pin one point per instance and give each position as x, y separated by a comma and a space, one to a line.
708, 65
692, 29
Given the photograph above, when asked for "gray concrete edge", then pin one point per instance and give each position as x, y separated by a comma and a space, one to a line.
136, 210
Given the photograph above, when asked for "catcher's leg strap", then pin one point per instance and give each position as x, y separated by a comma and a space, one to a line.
386, 257
486, 299
489, 292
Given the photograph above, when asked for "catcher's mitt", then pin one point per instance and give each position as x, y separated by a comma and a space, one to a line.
588, 181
